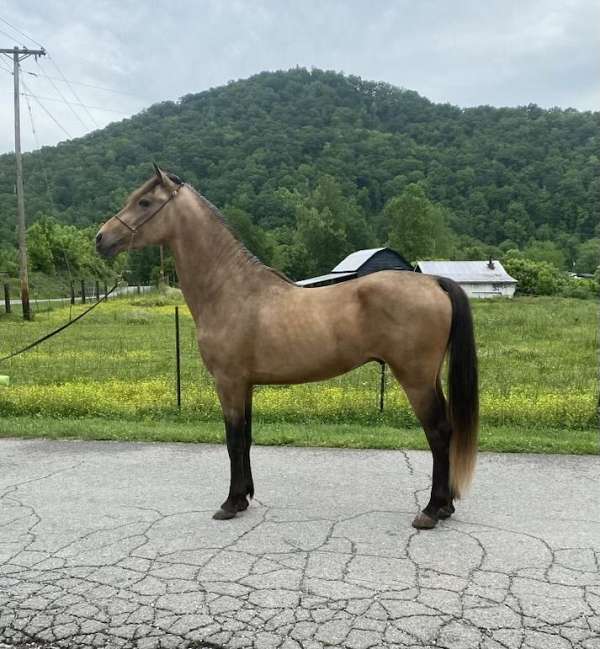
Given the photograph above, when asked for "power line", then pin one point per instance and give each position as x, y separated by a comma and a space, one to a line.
62, 128
37, 143
71, 88
86, 85
18, 54
20, 32
64, 101
11, 36
49, 194
38, 99
85, 126
68, 82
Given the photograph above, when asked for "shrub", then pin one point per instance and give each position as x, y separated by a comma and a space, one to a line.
542, 278
534, 277
164, 296
580, 288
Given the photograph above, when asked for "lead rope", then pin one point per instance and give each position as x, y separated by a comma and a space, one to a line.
133, 230
52, 333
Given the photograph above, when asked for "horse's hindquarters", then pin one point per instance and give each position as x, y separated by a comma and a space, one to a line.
315, 334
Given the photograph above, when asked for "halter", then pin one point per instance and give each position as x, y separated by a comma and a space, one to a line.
134, 228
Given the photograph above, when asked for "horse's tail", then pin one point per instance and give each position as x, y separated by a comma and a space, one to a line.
463, 390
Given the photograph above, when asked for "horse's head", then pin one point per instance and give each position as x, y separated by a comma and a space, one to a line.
146, 219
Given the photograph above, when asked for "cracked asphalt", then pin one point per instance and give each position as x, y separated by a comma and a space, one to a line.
113, 545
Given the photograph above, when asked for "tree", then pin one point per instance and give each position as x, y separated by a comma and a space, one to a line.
534, 277
500, 174
518, 225
588, 256
8, 261
416, 227
54, 247
546, 251
322, 237
329, 226
252, 236
39, 243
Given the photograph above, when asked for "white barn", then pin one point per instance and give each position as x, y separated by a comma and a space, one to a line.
479, 279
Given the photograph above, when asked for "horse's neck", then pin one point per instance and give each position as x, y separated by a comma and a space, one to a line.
215, 271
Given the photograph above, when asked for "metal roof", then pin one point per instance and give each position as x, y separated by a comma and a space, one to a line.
355, 260
467, 271
323, 278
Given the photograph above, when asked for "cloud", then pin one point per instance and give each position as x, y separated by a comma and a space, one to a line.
500, 52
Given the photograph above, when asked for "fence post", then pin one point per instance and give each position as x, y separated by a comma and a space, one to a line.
382, 387
139, 289
105, 290
177, 358
7, 297
97, 291
72, 293
82, 291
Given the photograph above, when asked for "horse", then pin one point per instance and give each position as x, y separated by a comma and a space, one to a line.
255, 326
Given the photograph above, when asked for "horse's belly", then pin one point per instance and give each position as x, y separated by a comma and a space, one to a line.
311, 341
317, 363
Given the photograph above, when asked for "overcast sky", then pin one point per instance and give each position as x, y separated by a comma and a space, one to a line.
467, 52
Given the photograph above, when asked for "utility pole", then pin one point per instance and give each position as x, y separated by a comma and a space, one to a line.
18, 54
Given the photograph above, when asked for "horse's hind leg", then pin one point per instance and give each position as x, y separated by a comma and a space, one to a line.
429, 405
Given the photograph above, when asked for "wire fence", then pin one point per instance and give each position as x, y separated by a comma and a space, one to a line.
80, 292
134, 357
121, 362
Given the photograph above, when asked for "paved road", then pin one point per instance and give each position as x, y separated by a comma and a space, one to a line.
113, 545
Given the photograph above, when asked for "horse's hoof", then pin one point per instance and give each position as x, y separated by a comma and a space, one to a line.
424, 522
242, 504
223, 515
446, 512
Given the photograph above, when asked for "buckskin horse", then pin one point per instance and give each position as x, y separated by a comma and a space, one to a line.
254, 326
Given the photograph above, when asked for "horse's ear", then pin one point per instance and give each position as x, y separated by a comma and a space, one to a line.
165, 178
159, 174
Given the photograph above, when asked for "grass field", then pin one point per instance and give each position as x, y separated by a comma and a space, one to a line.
112, 376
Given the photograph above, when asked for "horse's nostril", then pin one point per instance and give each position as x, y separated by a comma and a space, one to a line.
98, 237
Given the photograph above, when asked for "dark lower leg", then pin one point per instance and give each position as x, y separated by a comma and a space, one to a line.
440, 500
431, 410
248, 438
238, 430
446, 511
236, 447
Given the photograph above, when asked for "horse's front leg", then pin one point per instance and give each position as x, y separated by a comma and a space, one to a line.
236, 401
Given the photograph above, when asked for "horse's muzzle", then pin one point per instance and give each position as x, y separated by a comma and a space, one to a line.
105, 247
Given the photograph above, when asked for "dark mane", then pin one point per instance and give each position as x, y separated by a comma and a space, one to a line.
249, 256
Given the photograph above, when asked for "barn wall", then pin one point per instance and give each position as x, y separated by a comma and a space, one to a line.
486, 290
383, 260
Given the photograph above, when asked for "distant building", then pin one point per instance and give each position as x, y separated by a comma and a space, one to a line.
479, 279
359, 263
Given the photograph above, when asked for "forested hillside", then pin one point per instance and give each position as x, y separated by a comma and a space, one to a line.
309, 165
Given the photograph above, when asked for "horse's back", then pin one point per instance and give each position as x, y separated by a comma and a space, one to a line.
325, 331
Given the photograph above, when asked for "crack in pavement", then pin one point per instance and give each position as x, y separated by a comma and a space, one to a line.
114, 546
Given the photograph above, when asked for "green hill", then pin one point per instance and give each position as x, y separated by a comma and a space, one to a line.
257, 147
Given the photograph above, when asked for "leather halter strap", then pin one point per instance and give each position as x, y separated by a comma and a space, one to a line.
134, 228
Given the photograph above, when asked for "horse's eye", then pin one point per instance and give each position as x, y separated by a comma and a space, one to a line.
144, 203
